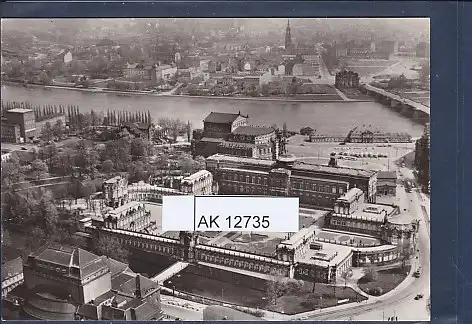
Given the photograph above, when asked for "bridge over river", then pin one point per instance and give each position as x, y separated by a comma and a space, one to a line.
406, 106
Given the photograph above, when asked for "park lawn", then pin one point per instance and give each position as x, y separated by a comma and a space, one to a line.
387, 280
305, 300
265, 247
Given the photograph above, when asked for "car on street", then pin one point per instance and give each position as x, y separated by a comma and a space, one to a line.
419, 296
24, 148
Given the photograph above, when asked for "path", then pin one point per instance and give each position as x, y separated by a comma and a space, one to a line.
342, 95
169, 272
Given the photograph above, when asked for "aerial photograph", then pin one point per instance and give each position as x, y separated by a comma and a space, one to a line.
102, 119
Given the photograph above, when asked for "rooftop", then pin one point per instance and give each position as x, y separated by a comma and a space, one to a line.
197, 175
125, 207
298, 237
67, 256
12, 268
237, 144
387, 175
222, 118
213, 140
113, 180
330, 254
371, 212
19, 110
237, 159
299, 165
253, 131
351, 195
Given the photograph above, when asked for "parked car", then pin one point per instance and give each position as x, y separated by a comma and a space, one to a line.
24, 148
419, 296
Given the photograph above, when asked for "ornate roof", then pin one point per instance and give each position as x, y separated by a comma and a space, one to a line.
222, 118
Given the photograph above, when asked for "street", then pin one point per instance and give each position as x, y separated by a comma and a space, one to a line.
398, 303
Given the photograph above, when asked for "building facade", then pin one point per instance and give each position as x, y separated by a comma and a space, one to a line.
315, 185
229, 134
132, 216
347, 79
199, 183
24, 118
387, 183
369, 134
115, 191
12, 275
11, 133
351, 213
66, 283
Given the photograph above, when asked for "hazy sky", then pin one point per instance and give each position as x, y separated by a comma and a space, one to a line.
400, 26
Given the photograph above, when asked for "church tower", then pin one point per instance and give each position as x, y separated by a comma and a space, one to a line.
288, 36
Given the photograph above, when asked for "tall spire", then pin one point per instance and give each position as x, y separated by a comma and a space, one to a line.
288, 36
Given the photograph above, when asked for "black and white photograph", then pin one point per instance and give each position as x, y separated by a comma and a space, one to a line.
106, 120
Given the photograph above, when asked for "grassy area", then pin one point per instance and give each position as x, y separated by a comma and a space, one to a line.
306, 221
304, 300
384, 281
300, 300
355, 94
265, 247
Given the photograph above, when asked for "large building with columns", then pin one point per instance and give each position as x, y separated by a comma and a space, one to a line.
229, 133
351, 213
315, 185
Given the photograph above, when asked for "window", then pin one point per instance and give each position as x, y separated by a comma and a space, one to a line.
341, 190
333, 189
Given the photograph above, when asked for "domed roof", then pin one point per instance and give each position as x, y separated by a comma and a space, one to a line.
47, 303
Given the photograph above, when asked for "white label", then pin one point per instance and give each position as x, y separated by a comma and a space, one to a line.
230, 214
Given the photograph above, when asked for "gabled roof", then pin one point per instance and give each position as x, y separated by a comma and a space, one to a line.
222, 118
67, 256
387, 175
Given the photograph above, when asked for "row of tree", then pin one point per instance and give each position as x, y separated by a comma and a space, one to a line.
118, 118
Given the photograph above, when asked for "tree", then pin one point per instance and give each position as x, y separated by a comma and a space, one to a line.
199, 163
284, 129
119, 153
424, 74
47, 132
108, 166
12, 171
59, 129
139, 148
6, 239
39, 169
111, 248
186, 163
370, 274
17, 207
280, 286
87, 190
137, 172
346, 275
44, 78
46, 214
86, 158
189, 131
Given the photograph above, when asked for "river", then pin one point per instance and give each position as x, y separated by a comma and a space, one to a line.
329, 117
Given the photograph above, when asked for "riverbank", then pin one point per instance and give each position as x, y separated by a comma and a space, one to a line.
168, 94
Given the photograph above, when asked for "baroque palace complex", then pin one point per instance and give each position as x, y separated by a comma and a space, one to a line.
348, 196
